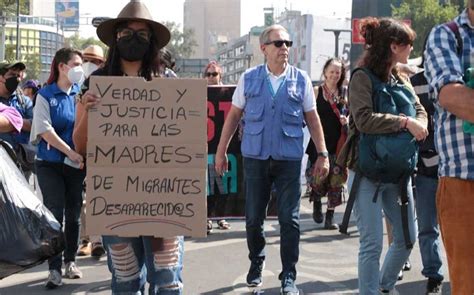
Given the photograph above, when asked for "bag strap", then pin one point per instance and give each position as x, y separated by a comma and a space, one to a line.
404, 210
453, 26
374, 80
350, 203
332, 103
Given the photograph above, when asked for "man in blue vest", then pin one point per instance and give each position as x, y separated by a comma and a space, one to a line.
275, 99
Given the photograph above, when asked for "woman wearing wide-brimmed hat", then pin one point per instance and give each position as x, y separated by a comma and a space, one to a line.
134, 41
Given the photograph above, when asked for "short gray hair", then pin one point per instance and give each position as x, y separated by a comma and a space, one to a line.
265, 35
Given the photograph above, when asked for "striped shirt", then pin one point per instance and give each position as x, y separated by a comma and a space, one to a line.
443, 66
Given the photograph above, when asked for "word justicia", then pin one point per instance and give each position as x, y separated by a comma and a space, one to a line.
151, 113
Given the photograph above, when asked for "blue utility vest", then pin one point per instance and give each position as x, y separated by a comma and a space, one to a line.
62, 109
273, 124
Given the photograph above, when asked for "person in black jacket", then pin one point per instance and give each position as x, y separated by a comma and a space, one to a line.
426, 182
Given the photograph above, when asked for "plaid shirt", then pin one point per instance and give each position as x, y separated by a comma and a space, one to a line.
444, 66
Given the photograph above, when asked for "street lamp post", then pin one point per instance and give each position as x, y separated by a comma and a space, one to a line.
2, 39
17, 56
57, 31
337, 32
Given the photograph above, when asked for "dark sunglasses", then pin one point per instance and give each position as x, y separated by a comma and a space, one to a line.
128, 33
279, 43
213, 74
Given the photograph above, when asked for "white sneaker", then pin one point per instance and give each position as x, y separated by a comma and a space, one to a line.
72, 272
54, 279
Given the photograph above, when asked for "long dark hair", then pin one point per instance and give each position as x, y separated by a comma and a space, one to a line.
379, 34
334, 60
63, 55
150, 63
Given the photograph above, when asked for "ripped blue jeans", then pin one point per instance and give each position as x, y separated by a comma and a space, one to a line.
135, 261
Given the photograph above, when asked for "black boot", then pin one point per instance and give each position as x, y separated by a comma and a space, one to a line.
328, 223
317, 209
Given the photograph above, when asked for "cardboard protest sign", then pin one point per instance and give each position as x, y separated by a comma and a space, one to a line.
146, 157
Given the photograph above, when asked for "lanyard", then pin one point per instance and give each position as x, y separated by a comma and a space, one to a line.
330, 98
273, 93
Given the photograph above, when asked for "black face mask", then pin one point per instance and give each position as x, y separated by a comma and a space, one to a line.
133, 48
11, 84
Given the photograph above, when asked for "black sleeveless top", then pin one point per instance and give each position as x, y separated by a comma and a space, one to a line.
331, 127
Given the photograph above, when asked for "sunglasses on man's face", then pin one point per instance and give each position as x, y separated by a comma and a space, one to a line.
279, 43
213, 74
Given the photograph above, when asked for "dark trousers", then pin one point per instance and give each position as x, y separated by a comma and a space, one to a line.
61, 186
259, 176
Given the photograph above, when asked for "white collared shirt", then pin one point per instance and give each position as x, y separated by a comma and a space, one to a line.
309, 102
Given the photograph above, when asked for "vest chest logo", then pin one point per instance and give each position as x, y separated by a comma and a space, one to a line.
53, 102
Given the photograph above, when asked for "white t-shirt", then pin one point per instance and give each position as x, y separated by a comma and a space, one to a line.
309, 102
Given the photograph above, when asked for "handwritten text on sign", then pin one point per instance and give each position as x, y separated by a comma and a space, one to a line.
147, 157
169, 196
168, 111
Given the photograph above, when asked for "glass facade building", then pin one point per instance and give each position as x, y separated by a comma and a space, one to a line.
38, 36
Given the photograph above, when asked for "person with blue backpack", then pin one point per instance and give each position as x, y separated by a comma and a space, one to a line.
387, 120
58, 166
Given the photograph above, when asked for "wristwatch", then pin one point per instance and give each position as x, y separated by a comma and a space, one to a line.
323, 154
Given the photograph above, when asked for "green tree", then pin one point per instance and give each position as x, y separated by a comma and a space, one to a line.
8, 7
10, 51
424, 15
460, 3
77, 42
33, 66
182, 43
32, 61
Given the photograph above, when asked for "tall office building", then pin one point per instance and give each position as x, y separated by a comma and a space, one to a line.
213, 22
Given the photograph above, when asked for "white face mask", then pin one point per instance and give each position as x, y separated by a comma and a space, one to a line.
76, 75
89, 68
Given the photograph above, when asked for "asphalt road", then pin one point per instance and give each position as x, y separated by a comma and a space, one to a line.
218, 265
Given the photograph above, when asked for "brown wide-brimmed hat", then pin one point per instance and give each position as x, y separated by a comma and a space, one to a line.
93, 52
135, 10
